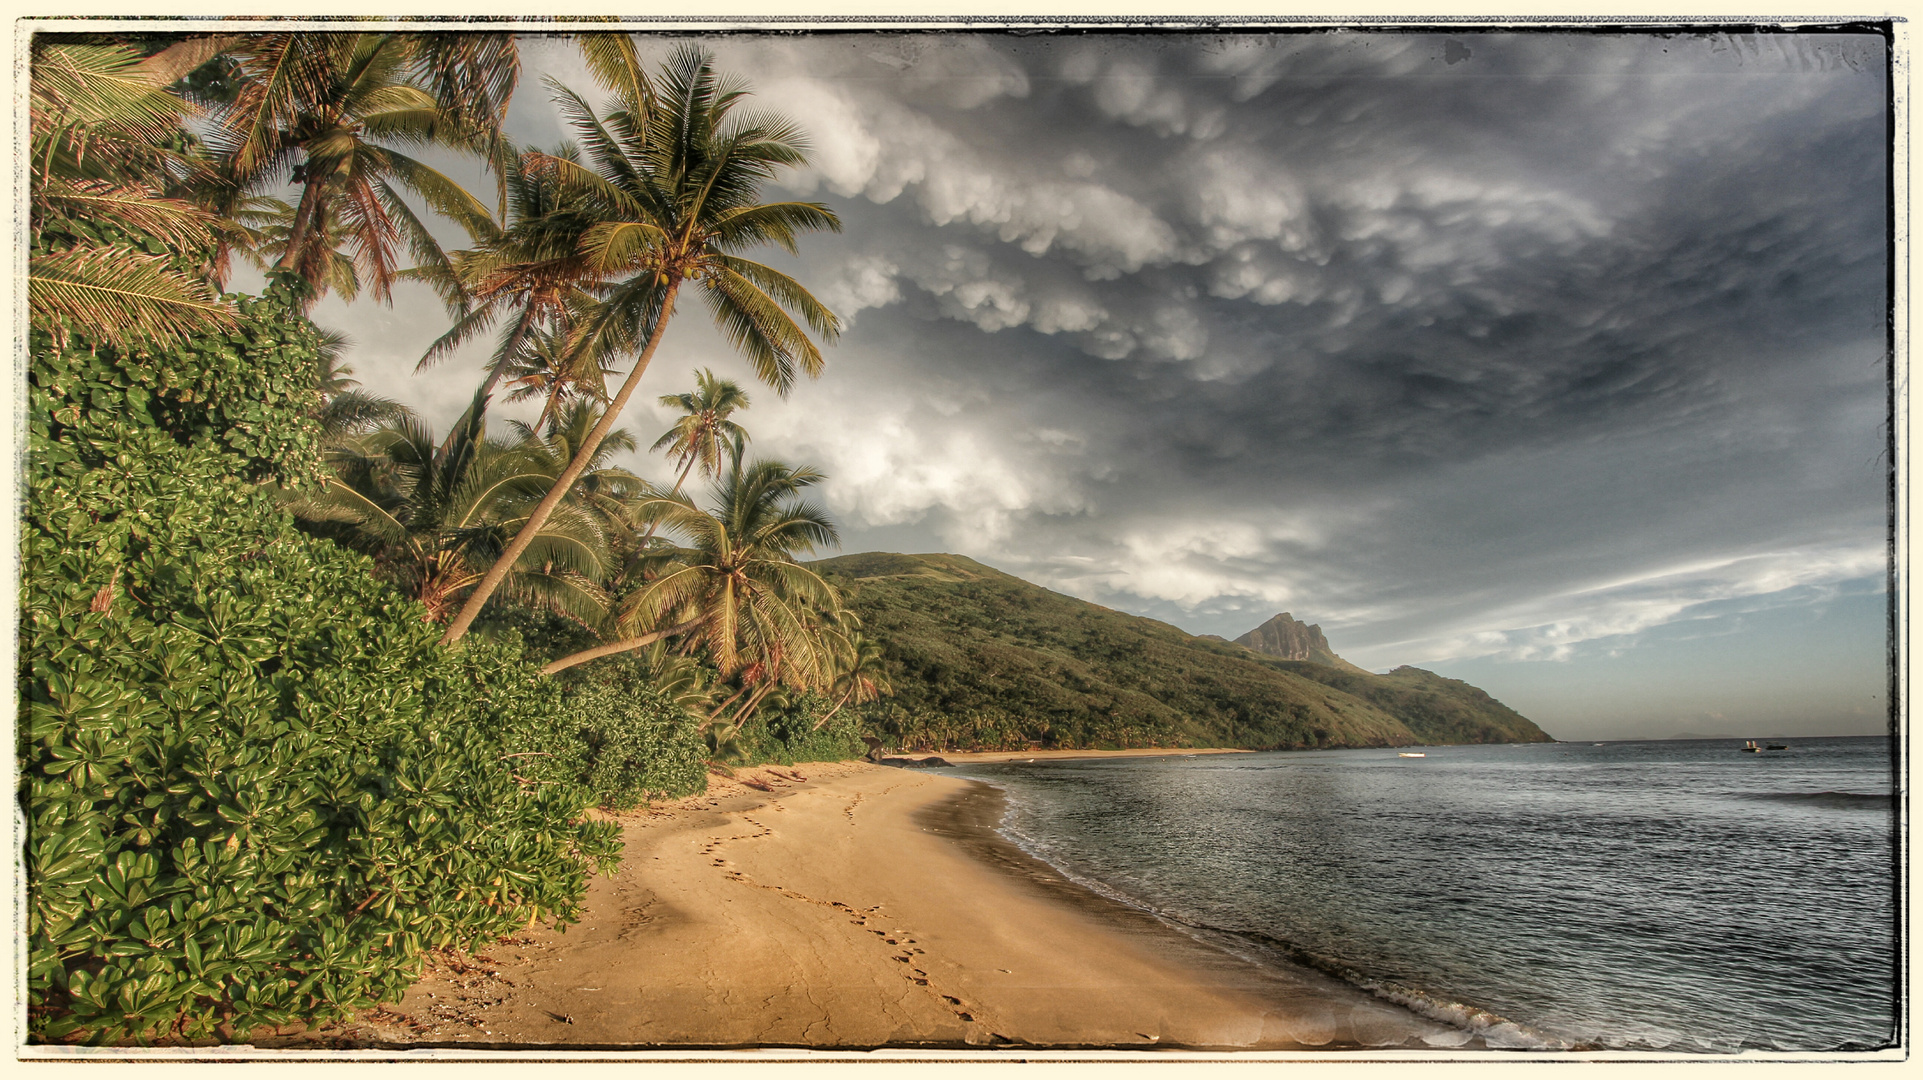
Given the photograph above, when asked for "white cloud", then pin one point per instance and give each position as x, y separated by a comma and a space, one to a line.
1129, 88
882, 148
896, 458
1551, 625
1236, 196
862, 281
1174, 333
1263, 276
956, 71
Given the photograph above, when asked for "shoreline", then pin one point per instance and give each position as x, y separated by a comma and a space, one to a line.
982, 757
853, 906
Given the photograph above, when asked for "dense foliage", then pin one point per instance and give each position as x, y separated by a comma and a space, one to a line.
628, 740
255, 790
982, 659
788, 734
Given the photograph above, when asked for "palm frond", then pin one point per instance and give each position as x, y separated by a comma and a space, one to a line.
772, 223
118, 297
132, 208
787, 292
612, 60
758, 328
352, 412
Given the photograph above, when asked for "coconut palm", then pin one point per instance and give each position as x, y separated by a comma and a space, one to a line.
546, 368
433, 518
108, 152
347, 409
350, 413
335, 377
759, 613
268, 224
677, 177
531, 276
704, 431
862, 677
607, 491
331, 113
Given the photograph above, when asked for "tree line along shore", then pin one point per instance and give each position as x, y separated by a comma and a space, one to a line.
309, 689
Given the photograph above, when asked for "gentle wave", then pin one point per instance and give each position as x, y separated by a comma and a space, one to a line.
1842, 800
1591, 894
1496, 1031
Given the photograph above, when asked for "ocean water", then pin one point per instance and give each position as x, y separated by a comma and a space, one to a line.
1678, 896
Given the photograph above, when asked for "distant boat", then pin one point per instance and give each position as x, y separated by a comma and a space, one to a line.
1595, 744
1776, 746
1412, 755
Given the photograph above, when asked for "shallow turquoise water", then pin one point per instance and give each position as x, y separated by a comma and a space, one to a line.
1647, 895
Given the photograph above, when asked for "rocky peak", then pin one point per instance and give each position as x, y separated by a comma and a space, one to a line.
1283, 636
1288, 639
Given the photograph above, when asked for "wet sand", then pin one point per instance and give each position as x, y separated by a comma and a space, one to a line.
853, 906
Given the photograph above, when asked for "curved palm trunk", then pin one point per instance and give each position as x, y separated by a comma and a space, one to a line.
714, 714
823, 722
494, 374
682, 479
630, 644
547, 413
754, 702
545, 508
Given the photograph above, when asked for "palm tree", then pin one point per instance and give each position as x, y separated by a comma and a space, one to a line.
355, 412
759, 612
335, 377
677, 178
547, 369
531, 271
606, 490
268, 223
346, 409
331, 111
863, 676
432, 518
108, 150
704, 431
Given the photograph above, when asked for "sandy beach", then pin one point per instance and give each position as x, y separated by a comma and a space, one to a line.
852, 906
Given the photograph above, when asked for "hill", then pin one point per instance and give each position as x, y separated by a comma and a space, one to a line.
984, 659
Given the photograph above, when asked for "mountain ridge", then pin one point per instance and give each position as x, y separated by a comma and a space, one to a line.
983, 659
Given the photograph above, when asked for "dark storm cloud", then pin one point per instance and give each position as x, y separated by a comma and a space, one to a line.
1470, 344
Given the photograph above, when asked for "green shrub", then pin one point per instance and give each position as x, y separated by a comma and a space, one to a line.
634, 744
786, 735
255, 788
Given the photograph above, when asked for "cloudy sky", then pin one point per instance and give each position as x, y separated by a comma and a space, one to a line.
1555, 362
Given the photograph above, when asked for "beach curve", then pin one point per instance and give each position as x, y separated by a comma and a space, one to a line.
853, 906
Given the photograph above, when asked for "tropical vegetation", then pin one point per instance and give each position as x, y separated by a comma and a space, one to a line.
674, 176
309, 688
256, 788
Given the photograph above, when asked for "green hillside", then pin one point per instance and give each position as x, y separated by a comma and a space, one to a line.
1436, 709
983, 659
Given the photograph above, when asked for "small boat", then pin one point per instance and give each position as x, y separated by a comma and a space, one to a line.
1776, 746
1412, 755
1750, 747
